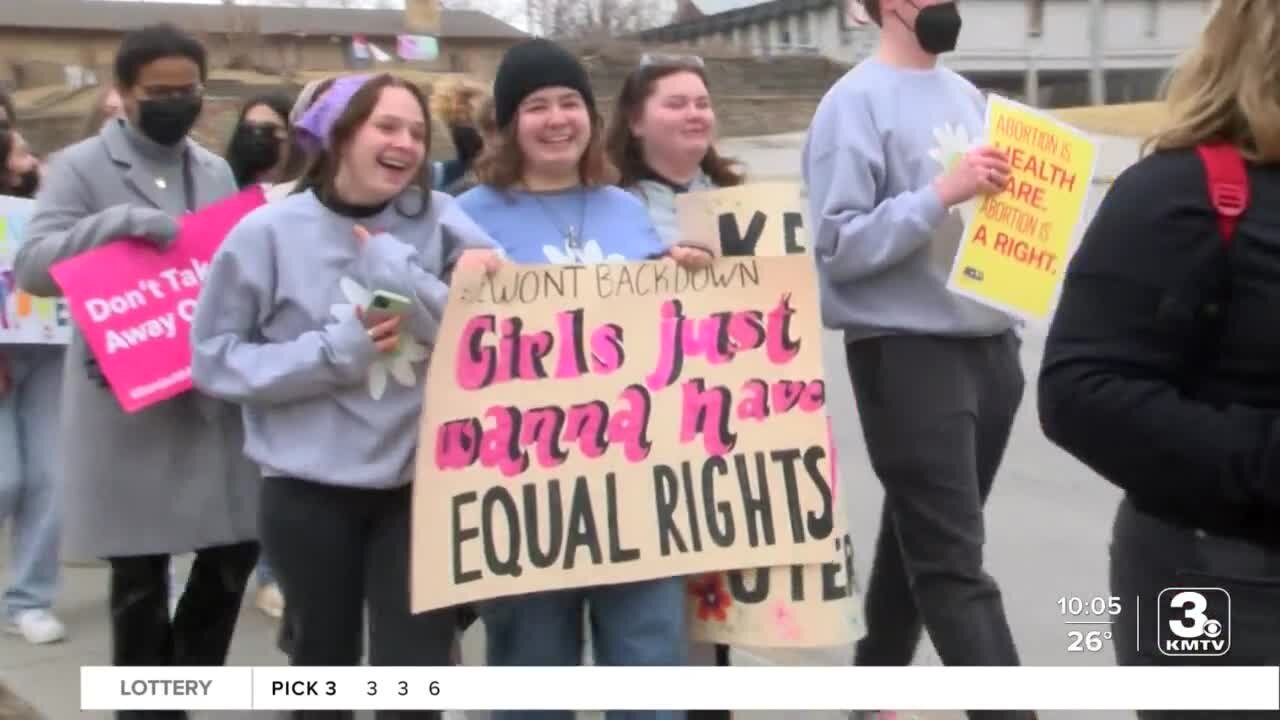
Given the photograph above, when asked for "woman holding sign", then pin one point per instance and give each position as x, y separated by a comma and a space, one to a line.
30, 392
661, 137
546, 197
318, 316
1162, 369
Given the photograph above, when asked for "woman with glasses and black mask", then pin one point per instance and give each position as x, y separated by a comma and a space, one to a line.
137, 488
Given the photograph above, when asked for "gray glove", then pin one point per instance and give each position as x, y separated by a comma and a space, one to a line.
156, 226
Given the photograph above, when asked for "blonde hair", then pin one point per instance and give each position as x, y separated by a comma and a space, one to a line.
1228, 88
456, 104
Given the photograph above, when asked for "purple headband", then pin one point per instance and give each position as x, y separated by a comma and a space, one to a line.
317, 122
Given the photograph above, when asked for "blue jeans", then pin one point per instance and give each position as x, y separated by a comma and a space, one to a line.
632, 624
28, 452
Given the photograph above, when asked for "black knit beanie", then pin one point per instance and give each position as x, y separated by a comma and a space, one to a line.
531, 66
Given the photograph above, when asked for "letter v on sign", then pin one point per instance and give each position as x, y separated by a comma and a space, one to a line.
733, 241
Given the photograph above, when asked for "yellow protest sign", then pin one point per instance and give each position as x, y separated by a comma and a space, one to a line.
1017, 242
589, 425
788, 605
764, 219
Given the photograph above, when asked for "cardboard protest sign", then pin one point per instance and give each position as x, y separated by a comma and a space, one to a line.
617, 422
24, 318
784, 606
1017, 243
763, 219
813, 605
133, 303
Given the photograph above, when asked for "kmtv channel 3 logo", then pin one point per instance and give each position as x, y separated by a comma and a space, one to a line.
1194, 622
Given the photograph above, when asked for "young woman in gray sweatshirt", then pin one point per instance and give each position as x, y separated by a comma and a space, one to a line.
661, 137
331, 395
661, 140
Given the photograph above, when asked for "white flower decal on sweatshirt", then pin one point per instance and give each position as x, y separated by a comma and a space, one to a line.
590, 254
399, 363
952, 142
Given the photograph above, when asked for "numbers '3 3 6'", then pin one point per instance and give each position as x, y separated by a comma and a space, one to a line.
402, 688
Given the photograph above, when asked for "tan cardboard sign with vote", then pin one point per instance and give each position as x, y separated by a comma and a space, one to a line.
761, 219
809, 605
617, 422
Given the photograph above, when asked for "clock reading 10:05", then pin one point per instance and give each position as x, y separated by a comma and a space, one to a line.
1095, 606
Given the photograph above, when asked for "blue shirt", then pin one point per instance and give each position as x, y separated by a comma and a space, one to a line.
610, 224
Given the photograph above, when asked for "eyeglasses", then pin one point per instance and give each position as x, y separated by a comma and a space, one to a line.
160, 92
664, 60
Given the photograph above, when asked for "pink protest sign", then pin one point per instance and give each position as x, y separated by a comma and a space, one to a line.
133, 303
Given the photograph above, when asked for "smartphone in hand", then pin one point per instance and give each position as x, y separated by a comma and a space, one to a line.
385, 305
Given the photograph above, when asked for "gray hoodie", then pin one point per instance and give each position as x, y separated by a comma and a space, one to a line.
275, 330
660, 199
883, 242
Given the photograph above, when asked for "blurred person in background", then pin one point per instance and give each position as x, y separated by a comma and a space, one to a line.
302, 149
106, 106
260, 151
30, 392
456, 106
485, 123
260, 148
1162, 368
8, 113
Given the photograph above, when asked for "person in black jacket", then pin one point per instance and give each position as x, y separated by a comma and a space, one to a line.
1162, 366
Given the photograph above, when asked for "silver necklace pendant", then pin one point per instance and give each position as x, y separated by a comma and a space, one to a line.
571, 239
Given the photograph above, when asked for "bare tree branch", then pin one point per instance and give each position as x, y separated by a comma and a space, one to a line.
596, 19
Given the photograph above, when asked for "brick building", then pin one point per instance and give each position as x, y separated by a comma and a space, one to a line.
44, 42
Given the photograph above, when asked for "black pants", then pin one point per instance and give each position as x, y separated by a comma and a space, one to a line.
1149, 555
200, 631
722, 660
338, 552
936, 414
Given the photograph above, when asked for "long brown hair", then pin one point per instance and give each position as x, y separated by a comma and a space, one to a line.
1228, 88
322, 171
626, 150
501, 163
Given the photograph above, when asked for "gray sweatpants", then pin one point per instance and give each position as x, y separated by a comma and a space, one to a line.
936, 414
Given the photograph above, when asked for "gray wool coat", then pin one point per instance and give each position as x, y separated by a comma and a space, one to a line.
171, 478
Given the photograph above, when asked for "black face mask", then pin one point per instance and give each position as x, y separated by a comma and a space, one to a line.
27, 184
168, 120
254, 149
937, 27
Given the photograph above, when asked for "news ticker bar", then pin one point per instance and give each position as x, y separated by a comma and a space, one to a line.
679, 688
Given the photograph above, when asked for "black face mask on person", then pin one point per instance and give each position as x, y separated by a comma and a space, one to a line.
937, 27
167, 120
255, 147
28, 183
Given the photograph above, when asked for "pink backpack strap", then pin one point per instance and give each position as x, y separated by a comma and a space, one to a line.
1228, 185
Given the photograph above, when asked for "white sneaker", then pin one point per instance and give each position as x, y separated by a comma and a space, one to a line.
38, 627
